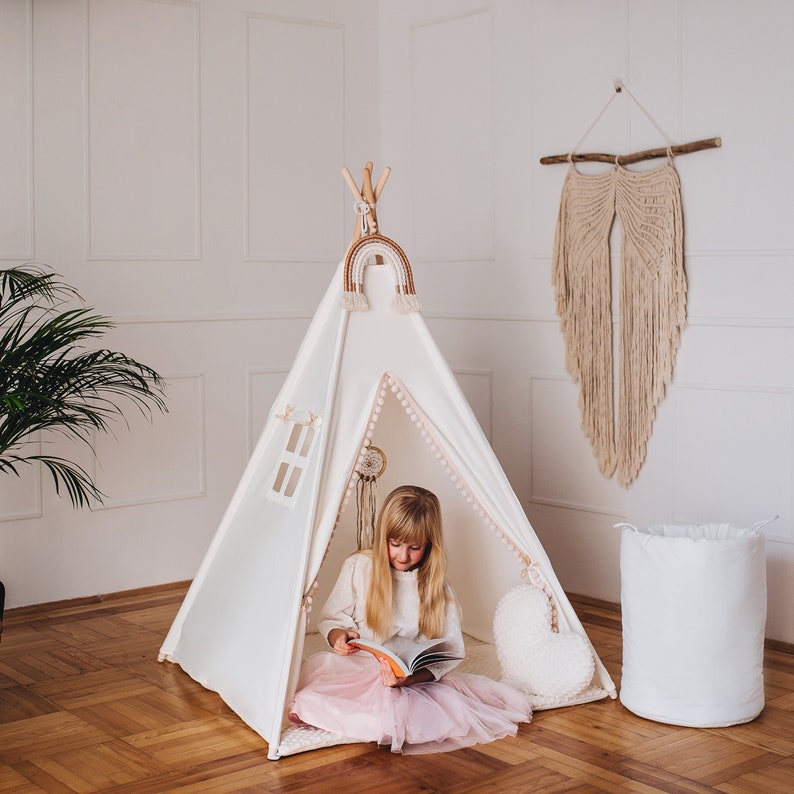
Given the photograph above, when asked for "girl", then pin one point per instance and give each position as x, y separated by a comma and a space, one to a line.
391, 594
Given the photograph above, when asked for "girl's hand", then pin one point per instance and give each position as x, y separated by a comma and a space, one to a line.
388, 678
337, 639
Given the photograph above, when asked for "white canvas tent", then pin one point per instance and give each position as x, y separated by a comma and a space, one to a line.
365, 377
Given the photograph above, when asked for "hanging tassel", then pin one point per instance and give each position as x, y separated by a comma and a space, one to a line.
367, 497
371, 465
406, 303
354, 302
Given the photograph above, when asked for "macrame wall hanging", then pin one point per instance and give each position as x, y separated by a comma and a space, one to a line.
370, 467
652, 292
369, 245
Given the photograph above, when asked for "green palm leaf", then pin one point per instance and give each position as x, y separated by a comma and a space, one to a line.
51, 381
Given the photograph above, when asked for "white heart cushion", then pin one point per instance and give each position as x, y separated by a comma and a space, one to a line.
540, 661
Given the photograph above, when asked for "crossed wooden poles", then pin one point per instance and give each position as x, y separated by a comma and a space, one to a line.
366, 200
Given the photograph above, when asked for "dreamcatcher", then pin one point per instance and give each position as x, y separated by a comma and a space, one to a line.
371, 465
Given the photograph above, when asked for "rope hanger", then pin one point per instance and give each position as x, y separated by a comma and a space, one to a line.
671, 150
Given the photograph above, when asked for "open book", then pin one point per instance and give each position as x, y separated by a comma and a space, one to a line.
409, 656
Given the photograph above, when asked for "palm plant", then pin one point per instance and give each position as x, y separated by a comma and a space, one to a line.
50, 382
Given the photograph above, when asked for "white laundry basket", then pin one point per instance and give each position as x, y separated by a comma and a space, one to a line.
693, 601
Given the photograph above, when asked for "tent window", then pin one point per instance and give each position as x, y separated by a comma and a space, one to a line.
281, 475
308, 437
293, 481
294, 437
293, 461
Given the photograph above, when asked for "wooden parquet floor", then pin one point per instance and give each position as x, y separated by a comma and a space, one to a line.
85, 707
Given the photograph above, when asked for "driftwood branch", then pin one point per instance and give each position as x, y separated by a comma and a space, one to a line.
636, 157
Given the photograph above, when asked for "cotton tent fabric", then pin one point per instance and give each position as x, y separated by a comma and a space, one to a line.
359, 378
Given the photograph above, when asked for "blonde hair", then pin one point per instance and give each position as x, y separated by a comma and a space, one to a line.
410, 514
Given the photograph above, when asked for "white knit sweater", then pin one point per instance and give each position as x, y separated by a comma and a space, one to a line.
346, 609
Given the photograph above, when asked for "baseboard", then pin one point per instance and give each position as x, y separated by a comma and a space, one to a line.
599, 603
52, 606
779, 645
101, 598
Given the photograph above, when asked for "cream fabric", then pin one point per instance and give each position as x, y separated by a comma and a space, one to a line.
357, 378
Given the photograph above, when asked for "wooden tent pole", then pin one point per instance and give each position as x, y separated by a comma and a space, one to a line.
352, 185
384, 175
366, 195
369, 196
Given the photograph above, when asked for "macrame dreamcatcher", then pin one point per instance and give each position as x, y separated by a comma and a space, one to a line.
652, 293
370, 467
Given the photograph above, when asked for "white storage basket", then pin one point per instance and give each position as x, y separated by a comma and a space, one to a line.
693, 600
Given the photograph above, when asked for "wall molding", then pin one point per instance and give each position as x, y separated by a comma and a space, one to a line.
200, 487
30, 253
420, 204
488, 375
787, 536
91, 254
251, 17
252, 438
35, 470
437, 315
618, 511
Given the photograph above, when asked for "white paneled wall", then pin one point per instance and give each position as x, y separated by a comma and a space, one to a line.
514, 80
142, 146
124, 467
452, 100
178, 161
16, 153
283, 148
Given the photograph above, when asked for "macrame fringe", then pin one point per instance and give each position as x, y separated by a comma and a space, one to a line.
354, 302
581, 275
357, 302
653, 311
406, 303
367, 501
652, 304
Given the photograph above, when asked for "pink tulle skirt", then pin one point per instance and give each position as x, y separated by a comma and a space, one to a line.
344, 695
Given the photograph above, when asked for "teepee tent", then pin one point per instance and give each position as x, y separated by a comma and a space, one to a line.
368, 374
